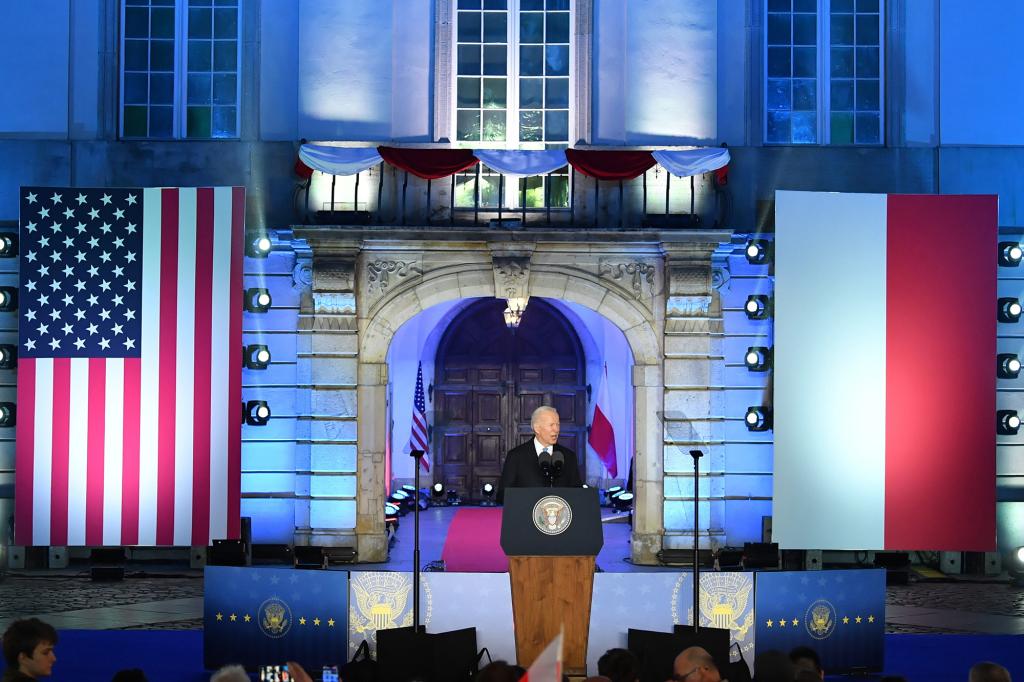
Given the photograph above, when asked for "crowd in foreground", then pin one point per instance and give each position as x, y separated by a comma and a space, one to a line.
29, 653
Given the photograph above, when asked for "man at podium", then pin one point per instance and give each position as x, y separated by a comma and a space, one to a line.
541, 461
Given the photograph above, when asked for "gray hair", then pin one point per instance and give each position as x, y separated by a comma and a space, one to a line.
535, 417
230, 673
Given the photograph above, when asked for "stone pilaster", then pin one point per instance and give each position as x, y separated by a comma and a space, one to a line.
648, 506
371, 397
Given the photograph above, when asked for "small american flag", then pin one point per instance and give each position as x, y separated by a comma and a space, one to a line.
418, 438
129, 379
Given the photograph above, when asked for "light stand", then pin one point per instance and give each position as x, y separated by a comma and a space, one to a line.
696, 455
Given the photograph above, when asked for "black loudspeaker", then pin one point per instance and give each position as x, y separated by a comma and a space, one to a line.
310, 557
761, 555
896, 565
684, 557
107, 564
404, 655
227, 553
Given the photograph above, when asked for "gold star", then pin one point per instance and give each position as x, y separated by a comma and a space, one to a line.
846, 620
330, 622
871, 619
220, 616
795, 621
770, 622
782, 622
302, 620
247, 618
233, 618
316, 621
858, 619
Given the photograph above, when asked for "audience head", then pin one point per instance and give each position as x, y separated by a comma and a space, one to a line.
773, 666
805, 659
28, 647
499, 671
230, 673
695, 665
619, 665
989, 672
129, 675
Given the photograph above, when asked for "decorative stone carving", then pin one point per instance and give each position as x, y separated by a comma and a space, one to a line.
688, 306
637, 276
334, 275
334, 303
382, 274
689, 279
511, 276
302, 274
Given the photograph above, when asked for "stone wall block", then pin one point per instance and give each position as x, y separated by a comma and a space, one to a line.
339, 402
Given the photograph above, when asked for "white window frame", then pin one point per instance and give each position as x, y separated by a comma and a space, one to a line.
824, 79
179, 126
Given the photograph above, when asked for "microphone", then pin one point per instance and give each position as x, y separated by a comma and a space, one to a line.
545, 466
557, 462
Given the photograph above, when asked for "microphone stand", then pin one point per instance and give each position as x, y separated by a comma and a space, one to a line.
696, 454
416, 454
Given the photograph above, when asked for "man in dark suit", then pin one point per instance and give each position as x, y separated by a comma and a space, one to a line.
522, 463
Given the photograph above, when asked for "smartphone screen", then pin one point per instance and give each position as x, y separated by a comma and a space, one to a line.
330, 673
274, 673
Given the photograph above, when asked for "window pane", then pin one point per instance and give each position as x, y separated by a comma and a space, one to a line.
200, 23
224, 122
867, 95
805, 5
136, 55
136, 22
161, 121
468, 93
162, 23
867, 29
779, 29
469, 60
495, 60
842, 29
531, 93
530, 126
465, 189
531, 27
225, 23
842, 95
199, 58
469, 4
805, 95
494, 126
469, 27
161, 55
526, 5
805, 128
779, 62
495, 93
779, 95
199, 85
805, 62
495, 4
842, 128
161, 88
558, 195
556, 126
531, 61
135, 88
558, 4
842, 62
842, 5
225, 55
534, 186
488, 188
198, 122
468, 125
867, 6
868, 129
867, 62
779, 6
225, 88
778, 126
558, 28
495, 27
557, 93
805, 29
556, 60
135, 121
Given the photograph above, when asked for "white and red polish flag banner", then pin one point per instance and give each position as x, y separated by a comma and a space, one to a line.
602, 434
884, 388
548, 665
129, 375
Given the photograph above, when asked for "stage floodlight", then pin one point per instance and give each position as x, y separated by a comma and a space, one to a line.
758, 418
8, 299
1007, 366
487, 491
437, 490
1009, 310
256, 356
758, 251
758, 358
257, 413
8, 245
258, 245
1010, 254
610, 493
8, 414
758, 307
257, 300
8, 356
623, 501
1007, 422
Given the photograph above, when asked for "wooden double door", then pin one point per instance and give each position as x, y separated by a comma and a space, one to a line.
488, 382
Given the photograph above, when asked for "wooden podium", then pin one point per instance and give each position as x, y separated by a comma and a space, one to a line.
551, 536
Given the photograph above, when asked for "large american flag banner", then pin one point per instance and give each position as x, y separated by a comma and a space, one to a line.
419, 439
129, 375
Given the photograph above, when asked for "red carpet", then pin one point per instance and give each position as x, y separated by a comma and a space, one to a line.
473, 544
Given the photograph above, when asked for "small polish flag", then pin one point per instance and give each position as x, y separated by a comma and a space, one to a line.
548, 666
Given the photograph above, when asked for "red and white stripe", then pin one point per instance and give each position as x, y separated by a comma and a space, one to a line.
147, 450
